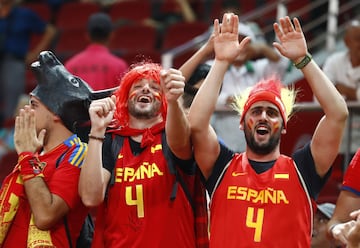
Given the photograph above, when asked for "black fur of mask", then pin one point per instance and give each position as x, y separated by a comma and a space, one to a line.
64, 94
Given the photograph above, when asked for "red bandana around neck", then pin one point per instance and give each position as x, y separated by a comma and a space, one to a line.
148, 134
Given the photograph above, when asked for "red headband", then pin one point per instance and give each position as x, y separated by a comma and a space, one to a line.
266, 91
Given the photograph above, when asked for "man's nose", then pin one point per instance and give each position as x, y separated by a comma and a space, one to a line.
146, 88
263, 114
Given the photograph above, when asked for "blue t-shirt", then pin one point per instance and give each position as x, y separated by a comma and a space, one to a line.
16, 30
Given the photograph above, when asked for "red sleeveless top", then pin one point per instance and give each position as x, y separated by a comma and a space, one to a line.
270, 209
138, 211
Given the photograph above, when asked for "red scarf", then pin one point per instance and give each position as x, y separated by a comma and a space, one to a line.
148, 134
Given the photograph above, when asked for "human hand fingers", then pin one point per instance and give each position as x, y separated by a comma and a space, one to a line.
173, 83
340, 231
355, 214
102, 107
25, 134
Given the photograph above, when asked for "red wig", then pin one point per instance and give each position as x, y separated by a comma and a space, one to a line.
147, 70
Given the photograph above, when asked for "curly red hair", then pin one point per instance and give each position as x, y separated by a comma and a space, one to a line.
137, 72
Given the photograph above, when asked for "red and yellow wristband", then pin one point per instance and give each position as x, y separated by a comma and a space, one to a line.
30, 166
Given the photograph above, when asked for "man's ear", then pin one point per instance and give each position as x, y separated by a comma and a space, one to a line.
241, 125
56, 118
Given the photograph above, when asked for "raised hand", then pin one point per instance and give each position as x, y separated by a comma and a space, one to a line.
26, 138
226, 38
292, 43
353, 236
172, 83
348, 233
101, 114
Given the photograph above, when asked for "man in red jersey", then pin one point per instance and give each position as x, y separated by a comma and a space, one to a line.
144, 206
261, 198
42, 190
347, 202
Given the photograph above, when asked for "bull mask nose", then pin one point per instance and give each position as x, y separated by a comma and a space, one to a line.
48, 58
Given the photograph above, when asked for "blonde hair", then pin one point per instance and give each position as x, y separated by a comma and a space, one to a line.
287, 95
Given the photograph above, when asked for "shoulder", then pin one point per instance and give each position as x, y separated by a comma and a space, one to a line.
303, 155
77, 151
118, 61
80, 57
351, 182
354, 163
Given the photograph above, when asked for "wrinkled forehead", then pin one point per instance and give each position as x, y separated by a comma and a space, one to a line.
264, 105
145, 81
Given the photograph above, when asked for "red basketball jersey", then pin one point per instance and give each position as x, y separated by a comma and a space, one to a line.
138, 211
270, 209
351, 177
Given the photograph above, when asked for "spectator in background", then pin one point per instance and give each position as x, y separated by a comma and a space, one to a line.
234, 6
321, 218
96, 65
181, 12
161, 18
343, 69
193, 84
17, 25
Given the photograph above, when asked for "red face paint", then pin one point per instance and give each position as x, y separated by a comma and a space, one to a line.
276, 126
132, 94
250, 123
158, 96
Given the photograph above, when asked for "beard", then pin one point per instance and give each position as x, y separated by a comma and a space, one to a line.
146, 113
264, 148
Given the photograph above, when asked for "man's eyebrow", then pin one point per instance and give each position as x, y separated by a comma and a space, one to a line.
265, 107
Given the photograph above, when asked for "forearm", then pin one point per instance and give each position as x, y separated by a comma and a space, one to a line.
329, 98
197, 58
353, 245
178, 131
333, 122
92, 184
205, 100
46, 207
